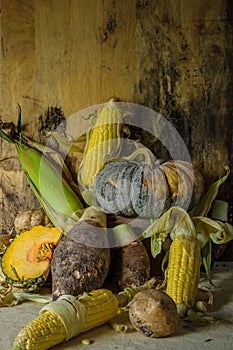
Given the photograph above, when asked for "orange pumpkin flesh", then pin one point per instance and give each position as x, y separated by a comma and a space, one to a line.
26, 262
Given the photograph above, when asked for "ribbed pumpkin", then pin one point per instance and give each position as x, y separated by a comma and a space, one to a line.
26, 262
133, 188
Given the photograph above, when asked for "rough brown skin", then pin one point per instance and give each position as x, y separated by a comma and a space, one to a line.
80, 261
130, 266
153, 313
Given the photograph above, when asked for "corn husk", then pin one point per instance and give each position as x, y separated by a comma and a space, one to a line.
54, 193
175, 221
204, 206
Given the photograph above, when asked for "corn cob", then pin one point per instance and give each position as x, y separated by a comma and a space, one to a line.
55, 195
65, 318
69, 316
102, 141
183, 271
43, 326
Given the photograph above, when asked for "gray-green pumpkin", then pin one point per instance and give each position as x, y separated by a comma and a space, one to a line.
133, 188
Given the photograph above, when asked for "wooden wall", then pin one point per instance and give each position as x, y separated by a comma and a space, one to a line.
174, 56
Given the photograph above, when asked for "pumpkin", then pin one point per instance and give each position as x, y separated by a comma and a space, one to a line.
26, 262
135, 188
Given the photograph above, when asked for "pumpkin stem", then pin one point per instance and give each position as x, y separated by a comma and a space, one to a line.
145, 152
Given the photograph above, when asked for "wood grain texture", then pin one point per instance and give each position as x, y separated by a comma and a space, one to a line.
172, 56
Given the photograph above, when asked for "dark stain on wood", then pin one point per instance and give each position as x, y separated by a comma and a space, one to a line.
51, 119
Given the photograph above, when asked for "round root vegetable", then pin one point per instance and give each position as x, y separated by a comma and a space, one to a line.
81, 260
153, 313
27, 219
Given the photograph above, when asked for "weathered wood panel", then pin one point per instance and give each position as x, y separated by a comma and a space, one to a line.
173, 56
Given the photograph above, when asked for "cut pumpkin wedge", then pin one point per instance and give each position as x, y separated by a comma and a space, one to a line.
26, 262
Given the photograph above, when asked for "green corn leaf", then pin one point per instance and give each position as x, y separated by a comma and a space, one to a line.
4, 136
64, 222
156, 245
124, 234
208, 229
55, 195
19, 125
57, 161
201, 232
164, 261
49, 183
206, 258
37, 298
69, 145
219, 210
174, 221
163, 225
224, 235
203, 207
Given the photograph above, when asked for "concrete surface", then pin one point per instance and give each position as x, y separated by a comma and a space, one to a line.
194, 335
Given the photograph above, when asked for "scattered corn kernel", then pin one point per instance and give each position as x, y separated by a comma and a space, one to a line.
86, 341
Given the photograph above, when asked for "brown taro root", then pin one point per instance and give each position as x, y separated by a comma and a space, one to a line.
81, 259
130, 263
153, 313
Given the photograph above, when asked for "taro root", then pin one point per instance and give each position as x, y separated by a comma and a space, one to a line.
130, 266
81, 259
130, 263
131, 188
153, 313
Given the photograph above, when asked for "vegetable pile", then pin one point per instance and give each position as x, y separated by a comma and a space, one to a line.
94, 264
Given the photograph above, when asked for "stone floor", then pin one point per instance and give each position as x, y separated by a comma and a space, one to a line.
193, 335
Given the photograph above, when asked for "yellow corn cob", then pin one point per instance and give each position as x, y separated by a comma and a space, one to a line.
183, 271
37, 335
102, 140
65, 318
100, 306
